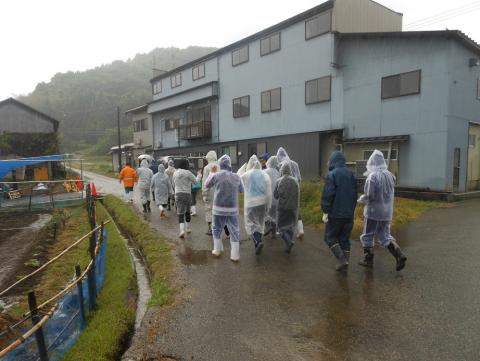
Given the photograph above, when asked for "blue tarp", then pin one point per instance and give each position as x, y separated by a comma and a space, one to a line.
6, 166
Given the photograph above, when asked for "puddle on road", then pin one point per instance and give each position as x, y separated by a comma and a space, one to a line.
190, 257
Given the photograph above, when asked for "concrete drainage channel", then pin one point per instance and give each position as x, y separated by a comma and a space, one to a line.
141, 271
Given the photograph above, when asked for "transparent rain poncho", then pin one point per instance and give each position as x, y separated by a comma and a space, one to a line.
241, 171
161, 186
170, 170
273, 174
379, 189
227, 185
211, 158
282, 157
144, 174
287, 191
258, 193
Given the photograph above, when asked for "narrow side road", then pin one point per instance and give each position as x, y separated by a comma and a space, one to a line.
297, 307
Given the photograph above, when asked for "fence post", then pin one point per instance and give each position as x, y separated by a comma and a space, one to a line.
92, 283
42, 348
78, 273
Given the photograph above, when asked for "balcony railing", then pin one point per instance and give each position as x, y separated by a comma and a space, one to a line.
198, 130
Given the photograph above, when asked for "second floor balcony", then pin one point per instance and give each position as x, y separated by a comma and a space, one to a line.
196, 130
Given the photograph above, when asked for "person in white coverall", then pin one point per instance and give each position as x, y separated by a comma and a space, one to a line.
144, 175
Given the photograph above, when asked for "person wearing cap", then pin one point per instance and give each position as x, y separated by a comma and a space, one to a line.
263, 160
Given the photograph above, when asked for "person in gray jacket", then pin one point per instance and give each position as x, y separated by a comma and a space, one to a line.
182, 182
287, 191
161, 187
144, 174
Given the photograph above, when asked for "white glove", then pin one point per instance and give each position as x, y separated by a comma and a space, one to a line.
362, 199
325, 218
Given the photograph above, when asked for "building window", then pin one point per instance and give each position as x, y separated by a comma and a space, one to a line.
198, 71
231, 151
393, 154
240, 55
401, 84
270, 44
176, 80
318, 90
140, 125
157, 87
171, 124
241, 107
271, 100
257, 148
472, 140
478, 88
199, 114
318, 25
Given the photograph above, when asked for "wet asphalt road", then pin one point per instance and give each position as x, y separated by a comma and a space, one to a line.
296, 307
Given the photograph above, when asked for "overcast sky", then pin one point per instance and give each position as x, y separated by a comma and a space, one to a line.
41, 38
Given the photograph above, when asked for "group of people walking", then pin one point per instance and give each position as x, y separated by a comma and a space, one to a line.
271, 189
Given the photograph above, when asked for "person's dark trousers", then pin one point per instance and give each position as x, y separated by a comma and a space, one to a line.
339, 230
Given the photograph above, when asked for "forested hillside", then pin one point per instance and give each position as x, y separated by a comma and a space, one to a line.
85, 102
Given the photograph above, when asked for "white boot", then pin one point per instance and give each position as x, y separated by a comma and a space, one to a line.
217, 247
193, 210
162, 210
300, 232
187, 227
182, 230
234, 251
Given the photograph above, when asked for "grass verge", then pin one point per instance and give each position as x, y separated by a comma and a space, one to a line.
404, 211
101, 164
156, 250
113, 320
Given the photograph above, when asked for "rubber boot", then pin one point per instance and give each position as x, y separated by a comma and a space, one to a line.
340, 256
193, 210
187, 227
217, 247
209, 231
162, 211
274, 231
144, 207
257, 240
300, 232
182, 230
397, 253
289, 243
149, 210
234, 251
347, 255
368, 257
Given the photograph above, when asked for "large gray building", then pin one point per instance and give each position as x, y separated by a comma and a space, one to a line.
339, 76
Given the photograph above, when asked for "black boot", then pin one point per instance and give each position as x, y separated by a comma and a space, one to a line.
144, 207
340, 256
257, 240
209, 232
148, 207
368, 257
397, 253
274, 231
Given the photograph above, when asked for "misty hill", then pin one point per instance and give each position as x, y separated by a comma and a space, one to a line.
85, 102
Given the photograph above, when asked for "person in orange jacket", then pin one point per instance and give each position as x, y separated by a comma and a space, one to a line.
129, 178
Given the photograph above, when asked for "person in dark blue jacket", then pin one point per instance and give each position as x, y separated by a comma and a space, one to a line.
339, 200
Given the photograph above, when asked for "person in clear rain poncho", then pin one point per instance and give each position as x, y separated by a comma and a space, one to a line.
258, 199
378, 199
144, 175
207, 194
183, 179
271, 216
161, 187
282, 157
287, 191
226, 185
169, 172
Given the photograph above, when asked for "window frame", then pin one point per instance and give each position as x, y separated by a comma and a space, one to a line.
174, 76
175, 121
238, 49
270, 103
198, 67
234, 158
419, 71
472, 136
268, 37
315, 17
319, 101
233, 107
154, 89
384, 151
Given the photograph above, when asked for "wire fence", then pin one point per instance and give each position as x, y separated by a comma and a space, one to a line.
51, 328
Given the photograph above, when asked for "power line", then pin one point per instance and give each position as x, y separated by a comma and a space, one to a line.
439, 18
459, 8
